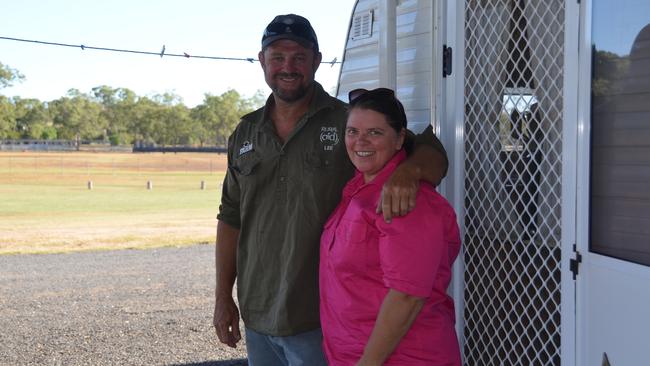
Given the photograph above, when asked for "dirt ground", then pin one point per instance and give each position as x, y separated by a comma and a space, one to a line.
123, 307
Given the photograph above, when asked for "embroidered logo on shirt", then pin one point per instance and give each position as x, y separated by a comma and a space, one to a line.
246, 147
329, 137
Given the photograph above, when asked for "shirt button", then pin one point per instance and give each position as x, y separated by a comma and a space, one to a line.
282, 179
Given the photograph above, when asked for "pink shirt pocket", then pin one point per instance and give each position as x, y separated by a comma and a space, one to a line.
348, 251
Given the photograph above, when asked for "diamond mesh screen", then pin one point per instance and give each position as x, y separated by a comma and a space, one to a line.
513, 146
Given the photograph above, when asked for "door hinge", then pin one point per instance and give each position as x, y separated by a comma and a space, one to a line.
446, 61
574, 263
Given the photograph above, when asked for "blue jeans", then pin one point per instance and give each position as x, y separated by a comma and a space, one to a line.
297, 350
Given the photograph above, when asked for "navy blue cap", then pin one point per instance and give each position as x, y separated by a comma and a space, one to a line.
292, 27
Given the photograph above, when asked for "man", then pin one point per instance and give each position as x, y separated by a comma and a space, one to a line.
287, 165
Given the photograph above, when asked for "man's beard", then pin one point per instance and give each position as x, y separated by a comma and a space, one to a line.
289, 96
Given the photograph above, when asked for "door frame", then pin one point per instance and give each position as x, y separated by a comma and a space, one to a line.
583, 126
448, 112
572, 136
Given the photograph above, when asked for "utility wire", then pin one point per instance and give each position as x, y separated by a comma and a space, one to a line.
161, 53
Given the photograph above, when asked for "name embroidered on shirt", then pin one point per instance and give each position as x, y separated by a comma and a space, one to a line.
329, 137
246, 147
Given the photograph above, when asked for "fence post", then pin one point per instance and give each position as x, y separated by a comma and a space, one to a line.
149, 185
202, 185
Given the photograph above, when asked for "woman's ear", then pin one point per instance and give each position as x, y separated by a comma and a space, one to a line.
400, 139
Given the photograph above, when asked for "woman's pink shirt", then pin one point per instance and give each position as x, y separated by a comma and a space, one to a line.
362, 257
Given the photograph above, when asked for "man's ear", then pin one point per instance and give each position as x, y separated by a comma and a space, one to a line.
318, 57
260, 56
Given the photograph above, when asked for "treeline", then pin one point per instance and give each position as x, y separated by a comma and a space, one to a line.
118, 116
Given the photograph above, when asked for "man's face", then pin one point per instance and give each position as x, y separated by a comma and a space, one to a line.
289, 69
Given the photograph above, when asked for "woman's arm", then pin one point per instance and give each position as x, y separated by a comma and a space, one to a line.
397, 313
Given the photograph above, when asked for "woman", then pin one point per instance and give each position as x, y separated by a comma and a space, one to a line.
383, 286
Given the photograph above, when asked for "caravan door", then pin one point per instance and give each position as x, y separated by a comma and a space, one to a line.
613, 201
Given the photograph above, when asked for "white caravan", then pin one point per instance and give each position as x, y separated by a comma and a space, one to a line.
544, 108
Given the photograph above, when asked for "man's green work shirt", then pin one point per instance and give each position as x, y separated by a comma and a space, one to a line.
279, 196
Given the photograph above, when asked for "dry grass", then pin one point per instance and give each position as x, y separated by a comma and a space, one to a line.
45, 205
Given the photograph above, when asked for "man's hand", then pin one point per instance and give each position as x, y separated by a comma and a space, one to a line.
226, 320
399, 192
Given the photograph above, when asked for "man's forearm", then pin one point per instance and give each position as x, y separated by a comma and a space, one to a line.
428, 163
226, 314
400, 191
226, 258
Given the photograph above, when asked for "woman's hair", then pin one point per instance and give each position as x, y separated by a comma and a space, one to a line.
383, 100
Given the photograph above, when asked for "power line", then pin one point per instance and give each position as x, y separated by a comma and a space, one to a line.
161, 53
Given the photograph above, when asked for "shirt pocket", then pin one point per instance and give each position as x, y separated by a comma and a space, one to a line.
320, 162
248, 168
350, 249
245, 164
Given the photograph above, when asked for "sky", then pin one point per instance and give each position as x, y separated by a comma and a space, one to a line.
197, 27
626, 17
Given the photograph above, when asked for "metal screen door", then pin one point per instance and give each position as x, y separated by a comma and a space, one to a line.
513, 147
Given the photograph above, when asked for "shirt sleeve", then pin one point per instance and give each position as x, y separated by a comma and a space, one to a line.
411, 249
229, 209
427, 137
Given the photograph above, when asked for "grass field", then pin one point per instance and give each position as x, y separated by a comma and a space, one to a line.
46, 205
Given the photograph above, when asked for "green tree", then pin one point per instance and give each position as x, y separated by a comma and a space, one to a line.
219, 115
173, 122
118, 112
145, 120
8, 76
608, 69
7, 118
7, 108
32, 118
200, 132
77, 117
119, 116
256, 101
124, 114
177, 122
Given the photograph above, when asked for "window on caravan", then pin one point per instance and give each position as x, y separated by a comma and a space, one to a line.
620, 127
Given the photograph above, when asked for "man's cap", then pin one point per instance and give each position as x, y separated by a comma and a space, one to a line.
292, 27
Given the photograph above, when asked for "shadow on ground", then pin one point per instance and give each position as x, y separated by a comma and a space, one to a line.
239, 362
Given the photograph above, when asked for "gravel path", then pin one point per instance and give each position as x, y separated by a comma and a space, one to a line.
126, 307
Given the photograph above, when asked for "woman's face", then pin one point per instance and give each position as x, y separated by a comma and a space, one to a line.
370, 141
